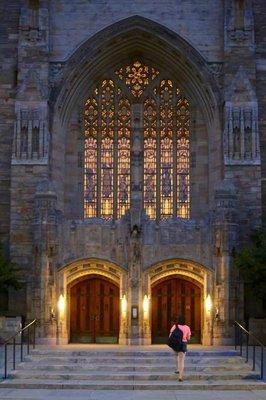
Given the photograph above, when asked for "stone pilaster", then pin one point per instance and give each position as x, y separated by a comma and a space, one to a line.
225, 234
135, 242
45, 247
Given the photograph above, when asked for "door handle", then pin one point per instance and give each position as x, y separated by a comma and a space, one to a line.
97, 317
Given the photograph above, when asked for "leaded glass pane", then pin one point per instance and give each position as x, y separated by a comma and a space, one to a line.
124, 129
107, 152
166, 178
150, 148
107, 172
183, 190
90, 177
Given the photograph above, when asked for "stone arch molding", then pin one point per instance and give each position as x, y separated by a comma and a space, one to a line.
199, 274
83, 268
134, 36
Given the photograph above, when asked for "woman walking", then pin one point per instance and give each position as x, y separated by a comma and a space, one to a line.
182, 347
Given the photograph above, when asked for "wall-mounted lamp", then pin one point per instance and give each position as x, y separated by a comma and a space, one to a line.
61, 304
124, 304
52, 315
208, 303
145, 305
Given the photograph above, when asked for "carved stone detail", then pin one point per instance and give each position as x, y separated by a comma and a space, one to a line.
31, 136
239, 24
241, 137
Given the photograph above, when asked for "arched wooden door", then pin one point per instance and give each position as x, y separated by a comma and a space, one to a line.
94, 311
173, 297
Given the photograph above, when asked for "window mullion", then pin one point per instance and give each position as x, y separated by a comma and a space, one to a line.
115, 160
158, 164
174, 155
99, 157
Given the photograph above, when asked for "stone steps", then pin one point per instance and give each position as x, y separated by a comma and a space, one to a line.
104, 369
169, 367
136, 360
132, 353
136, 376
135, 385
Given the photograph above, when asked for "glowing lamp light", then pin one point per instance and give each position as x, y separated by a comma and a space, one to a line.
61, 304
208, 303
124, 304
146, 304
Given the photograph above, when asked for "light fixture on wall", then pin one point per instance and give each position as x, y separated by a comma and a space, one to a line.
208, 303
145, 305
124, 304
61, 304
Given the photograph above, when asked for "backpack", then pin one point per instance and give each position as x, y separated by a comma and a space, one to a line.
175, 340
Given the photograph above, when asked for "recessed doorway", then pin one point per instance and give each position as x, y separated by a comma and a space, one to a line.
94, 311
172, 297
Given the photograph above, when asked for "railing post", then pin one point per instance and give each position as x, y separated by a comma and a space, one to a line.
247, 337
5, 360
28, 344
235, 335
14, 353
21, 346
34, 335
262, 363
241, 352
254, 356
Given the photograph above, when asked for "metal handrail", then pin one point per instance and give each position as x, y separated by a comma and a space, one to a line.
13, 339
19, 331
239, 329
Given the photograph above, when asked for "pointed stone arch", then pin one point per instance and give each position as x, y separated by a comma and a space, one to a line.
135, 35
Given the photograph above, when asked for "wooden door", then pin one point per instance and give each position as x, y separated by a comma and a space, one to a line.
171, 298
94, 311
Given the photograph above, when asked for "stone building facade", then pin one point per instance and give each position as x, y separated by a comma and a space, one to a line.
53, 55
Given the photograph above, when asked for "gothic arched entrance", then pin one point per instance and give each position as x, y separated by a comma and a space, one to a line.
171, 297
94, 310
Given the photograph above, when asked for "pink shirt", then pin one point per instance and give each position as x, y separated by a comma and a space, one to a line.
185, 329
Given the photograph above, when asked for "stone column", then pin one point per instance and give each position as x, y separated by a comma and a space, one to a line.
135, 256
225, 238
45, 243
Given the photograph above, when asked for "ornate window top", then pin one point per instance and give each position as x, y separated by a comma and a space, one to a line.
137, 76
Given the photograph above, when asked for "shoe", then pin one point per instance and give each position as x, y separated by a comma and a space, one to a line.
180, 380
176, 372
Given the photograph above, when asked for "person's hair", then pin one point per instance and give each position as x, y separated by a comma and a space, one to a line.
180, 320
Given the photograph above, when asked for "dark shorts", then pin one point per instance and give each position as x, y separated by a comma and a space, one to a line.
182, 348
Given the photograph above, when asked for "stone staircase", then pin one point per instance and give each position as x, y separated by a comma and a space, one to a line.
131, 368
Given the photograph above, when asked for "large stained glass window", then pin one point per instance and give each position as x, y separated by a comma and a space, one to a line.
109, 134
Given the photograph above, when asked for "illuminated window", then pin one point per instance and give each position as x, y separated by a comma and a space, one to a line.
109, 129
166, 152
107, 152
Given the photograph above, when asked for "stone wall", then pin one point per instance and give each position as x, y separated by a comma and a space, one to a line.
9, 16
260, 37
192, 20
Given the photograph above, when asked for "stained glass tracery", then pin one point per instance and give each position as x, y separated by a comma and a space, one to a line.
166, 152
107, 152
108, 132
137, 76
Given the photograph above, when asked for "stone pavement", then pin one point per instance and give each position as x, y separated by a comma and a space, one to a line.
46, 394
